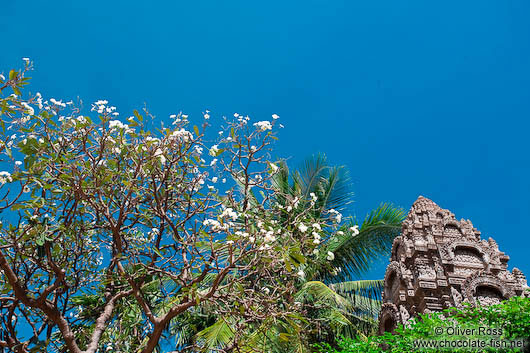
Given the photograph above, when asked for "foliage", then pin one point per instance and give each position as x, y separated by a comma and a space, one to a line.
507, 321
115, 232
331, 303
121, 235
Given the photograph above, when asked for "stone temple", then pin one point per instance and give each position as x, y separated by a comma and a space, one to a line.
438, 262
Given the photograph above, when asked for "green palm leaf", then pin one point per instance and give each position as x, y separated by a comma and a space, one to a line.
364, 295
216, 336
319, 291
355, 254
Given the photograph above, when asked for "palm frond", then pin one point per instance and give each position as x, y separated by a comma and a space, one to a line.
217, 335
364, 295
318, 291
355, 254
280, 180
311, 172
333, 190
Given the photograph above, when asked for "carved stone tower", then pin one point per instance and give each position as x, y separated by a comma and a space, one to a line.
438, 262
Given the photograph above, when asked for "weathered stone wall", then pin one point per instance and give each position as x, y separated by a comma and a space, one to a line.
438, 262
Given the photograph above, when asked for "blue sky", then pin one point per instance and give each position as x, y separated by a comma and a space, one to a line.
414, 97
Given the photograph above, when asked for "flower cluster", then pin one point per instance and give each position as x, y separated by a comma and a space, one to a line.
336, 215
263, 125
5, 177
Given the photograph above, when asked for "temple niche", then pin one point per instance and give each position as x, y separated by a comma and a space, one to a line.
438, 262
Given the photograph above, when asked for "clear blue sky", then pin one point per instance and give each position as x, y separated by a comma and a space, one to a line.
415, 97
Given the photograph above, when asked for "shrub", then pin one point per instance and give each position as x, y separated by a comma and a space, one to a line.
492, 325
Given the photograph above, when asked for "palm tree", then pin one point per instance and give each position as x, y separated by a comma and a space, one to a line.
331, 291
351, 306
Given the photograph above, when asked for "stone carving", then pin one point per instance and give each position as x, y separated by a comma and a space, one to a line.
439, 262
457, 297
519, 276
388, 317
405, 316
438, 268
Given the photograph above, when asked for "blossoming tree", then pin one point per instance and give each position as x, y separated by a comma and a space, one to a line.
113, 229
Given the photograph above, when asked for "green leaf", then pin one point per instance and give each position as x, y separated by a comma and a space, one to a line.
12, 74
196, 129
217, 336
296, 255
40, 240
138, 115
157, 252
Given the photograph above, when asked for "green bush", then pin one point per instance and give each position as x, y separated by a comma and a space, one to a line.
471, 329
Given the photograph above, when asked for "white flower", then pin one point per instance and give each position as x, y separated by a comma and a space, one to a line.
354, 230
301, 274
30, 110
331, 256
59, 103
5, 177
214, 180
317, 226
214, 224
172, 116
266, 290
263, 125
269, 237
117, 124
206, 116
26, 60
2, 77
274, 167
198, 149
302, 227
315, 251
213, 150
336, 214
275, 116
296, 202
230, 242
229, 212
224, 180
212, 163
160, 154
18, 163
26, 189
340, 232
181, 135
